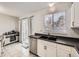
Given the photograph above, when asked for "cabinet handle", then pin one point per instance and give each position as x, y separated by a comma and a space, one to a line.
69, 55
45, 47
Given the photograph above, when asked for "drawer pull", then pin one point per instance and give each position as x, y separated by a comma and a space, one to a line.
69, 55
45, 47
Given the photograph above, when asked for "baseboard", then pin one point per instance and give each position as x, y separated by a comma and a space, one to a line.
34, 54
10, 43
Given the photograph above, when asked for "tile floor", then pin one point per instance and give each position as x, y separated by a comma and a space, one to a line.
14, 50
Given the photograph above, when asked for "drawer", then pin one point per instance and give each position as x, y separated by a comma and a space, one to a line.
52, 44
64, 47
47, 43
41, 41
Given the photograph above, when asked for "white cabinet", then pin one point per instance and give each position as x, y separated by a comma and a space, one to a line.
41, 48
72, 16
46, 49
75, 15
66, 51
63, 51
50, 49
0, 49
76, 10
74, 53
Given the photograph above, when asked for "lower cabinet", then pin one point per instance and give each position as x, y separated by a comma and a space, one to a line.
41, 48
74, 53
63, 51
46, 49
0, 49
50, 49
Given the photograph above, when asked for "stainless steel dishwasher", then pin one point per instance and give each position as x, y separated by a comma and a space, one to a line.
33, 45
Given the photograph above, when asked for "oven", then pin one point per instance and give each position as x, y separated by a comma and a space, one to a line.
8, 39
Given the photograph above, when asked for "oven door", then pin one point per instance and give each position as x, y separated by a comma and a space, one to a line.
6, 40
12, 38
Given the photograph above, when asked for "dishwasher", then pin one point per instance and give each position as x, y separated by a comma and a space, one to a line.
33, 45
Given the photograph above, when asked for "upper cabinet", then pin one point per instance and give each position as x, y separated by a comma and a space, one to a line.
75, 15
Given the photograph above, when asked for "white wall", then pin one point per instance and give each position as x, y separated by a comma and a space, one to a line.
8, 23
37, 20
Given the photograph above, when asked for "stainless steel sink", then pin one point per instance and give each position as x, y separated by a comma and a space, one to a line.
48, 37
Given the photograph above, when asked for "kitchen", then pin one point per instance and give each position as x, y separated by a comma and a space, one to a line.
49, 31
61, 42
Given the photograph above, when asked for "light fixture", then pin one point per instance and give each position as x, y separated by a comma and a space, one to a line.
1, 8
51, 7
51, 4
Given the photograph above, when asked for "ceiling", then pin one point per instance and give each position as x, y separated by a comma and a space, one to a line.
20, 9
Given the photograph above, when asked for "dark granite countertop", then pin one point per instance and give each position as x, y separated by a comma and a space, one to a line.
54, 41
34, 36
58, 36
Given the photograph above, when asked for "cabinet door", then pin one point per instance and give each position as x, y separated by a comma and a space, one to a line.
46, 49
76, 10
0, 49
63, 51
51, 49
72, 15
41, 48
74, 52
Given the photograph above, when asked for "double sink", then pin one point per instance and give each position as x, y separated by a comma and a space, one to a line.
47, 37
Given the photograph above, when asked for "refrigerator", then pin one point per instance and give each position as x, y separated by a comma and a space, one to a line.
24, 33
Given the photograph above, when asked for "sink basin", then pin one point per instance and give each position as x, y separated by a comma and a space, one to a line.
52, 38
48, 37
44, 37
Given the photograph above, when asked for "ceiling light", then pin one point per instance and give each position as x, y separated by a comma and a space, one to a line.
51, 4
1, 8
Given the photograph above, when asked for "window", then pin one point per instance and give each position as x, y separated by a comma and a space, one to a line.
55, 23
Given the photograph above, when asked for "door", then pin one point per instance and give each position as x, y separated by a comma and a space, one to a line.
0, 49
63, 51
25, 31
24, 36
72, 15
76, 10
74, 52
41, 51
51, 49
